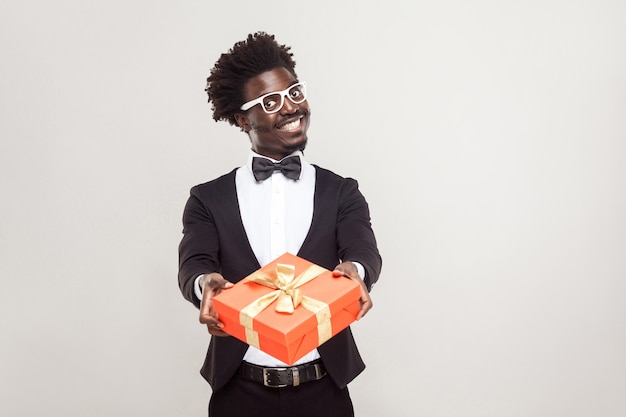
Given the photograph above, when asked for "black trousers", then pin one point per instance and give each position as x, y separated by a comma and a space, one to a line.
244, 398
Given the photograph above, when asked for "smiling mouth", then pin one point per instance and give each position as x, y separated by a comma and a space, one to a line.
295, 125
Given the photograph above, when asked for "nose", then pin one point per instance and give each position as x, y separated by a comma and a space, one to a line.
289, 107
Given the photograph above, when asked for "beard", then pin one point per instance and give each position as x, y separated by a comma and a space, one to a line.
299, 146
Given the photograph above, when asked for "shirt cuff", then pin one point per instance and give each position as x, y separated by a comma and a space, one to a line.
196, 287
359, 269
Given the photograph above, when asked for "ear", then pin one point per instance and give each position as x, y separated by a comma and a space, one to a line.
243, 122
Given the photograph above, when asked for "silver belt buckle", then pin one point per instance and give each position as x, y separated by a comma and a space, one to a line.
266, 373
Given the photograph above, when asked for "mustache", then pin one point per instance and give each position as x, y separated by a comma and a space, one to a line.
295, 115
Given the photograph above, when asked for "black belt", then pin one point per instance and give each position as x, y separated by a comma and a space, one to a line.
282, 377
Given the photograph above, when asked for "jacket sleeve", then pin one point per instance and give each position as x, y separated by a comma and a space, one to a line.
355, 235
198, 249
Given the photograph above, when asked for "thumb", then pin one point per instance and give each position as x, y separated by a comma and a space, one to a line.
337, 273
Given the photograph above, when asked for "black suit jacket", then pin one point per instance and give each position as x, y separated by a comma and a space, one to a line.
214, 240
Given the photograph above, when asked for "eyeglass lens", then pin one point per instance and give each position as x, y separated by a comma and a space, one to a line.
274, 102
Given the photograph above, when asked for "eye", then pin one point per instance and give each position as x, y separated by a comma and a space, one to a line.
270, 103
296, 93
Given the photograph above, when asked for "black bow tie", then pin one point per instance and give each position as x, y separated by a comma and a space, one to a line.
262, 168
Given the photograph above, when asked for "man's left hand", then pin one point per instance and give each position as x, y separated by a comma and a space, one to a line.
347, 269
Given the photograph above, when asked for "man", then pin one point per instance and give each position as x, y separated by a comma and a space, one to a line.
244, 219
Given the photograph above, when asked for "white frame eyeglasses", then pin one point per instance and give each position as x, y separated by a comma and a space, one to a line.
282, 94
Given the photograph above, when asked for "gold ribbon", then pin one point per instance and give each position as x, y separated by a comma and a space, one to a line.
289, 298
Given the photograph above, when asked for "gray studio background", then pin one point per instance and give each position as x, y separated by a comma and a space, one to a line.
499, 128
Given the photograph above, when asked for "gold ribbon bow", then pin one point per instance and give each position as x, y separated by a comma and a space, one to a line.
289, 298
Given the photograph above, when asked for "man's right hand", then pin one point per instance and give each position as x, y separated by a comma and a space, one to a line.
212, 284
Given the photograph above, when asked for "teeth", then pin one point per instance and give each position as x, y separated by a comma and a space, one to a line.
290, 126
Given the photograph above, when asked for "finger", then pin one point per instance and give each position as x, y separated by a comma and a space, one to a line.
214, 325
365, 307
218, 286
366, 303
208, 316
215, 330
205, 315
337, 273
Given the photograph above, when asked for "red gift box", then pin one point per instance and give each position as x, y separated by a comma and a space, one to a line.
288, 307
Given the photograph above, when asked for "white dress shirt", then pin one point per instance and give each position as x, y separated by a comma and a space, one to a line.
276, 215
